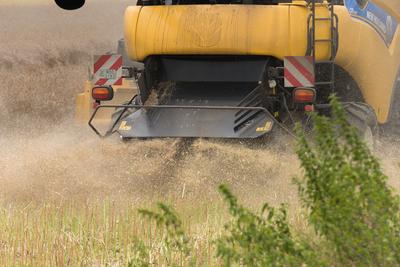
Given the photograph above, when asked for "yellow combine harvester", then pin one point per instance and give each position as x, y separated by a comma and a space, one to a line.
236, 68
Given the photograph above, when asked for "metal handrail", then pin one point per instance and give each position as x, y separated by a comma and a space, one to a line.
126, 107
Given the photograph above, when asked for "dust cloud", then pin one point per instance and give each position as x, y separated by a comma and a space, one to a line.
44, 54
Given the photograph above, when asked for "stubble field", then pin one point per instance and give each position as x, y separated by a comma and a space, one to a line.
68, 198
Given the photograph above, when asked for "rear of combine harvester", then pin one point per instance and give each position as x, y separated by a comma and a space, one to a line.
236, 68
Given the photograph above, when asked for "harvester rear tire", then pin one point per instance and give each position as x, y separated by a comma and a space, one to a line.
392, 127
362, 116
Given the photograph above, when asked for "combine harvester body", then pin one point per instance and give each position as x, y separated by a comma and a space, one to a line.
237, 69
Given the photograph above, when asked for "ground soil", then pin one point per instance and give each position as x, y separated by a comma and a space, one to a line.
44, 54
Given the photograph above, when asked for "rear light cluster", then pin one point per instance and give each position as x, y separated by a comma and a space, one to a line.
304, 95
102, 93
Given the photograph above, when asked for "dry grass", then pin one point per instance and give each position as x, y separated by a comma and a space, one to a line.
95, 234
69, 198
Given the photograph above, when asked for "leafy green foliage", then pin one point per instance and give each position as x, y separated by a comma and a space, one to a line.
347, 195
175, 238
140, 257
350, 206
258, 240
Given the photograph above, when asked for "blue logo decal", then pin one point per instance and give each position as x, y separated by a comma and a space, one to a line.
385, 24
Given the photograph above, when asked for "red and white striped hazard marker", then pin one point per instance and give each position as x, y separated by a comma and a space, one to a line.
299, 71
107, 70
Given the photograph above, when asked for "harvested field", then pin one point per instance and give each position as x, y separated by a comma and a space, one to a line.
59, 178
44, 65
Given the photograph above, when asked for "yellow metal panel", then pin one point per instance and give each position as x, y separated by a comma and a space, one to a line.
83, 107
84, 101
278, 31
370, 62
273, 30
130, 21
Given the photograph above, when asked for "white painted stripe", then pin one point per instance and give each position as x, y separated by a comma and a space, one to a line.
108, 82
109, 62
306, 64
107, 65
288, 83
297, 74
111, 82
